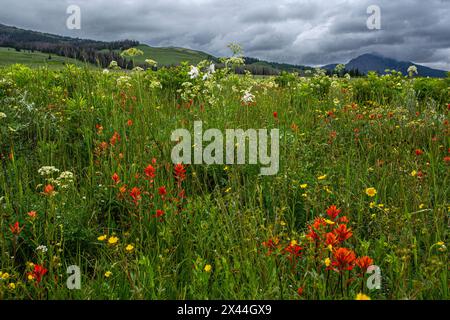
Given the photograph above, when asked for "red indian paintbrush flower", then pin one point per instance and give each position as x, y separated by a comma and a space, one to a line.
343, 259
135, 194
315, 227
180, 172
331, 239
342, 232
419, 152
150, 171
39, 272
162, 191
275, 115
115, 177
333, 212
15, 228
32, 214
293, 252
271, 245
364, 262
48, 190
115, 138
159, 214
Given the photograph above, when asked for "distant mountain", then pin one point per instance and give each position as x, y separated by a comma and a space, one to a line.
375, 62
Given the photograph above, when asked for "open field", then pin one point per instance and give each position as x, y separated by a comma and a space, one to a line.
168, 56
87, 180
35, 59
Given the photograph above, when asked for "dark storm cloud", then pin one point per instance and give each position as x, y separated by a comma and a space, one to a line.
302, 32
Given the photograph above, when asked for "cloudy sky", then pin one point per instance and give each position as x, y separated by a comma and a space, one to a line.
307, 32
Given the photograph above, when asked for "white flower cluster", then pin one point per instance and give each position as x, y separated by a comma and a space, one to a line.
211, 70
412, 70
124, 81
47, 171
151, 63
113, 65
248, 97
138, 69
194, 73
66, 175
42, 248
65, 179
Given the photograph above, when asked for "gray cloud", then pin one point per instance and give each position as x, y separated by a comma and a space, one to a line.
301, 32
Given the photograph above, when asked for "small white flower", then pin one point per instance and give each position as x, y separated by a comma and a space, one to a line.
113, 65
105, 71
151, 63
248, 97
124, 81
212, 68
412, 70
2, 115
42, 248
194, 73
138, 69
47, 170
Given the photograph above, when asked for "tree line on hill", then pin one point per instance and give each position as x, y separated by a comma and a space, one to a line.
100, 53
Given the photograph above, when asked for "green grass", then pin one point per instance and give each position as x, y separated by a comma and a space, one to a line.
9, 56
337, 139
167, 56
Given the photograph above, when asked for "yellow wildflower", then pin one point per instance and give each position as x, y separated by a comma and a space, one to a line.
322, 177
5, 276
304, 186
413, 173
113, 240
108, 274
102, 238
371, 192
327, 262
12, 286
208, 268
129, 248
362, 296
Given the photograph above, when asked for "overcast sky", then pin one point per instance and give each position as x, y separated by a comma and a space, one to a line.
309, 32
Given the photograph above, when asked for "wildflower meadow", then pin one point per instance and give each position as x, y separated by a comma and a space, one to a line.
92, 205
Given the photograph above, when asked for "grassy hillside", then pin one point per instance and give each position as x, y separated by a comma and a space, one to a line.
166, 56
35, 59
